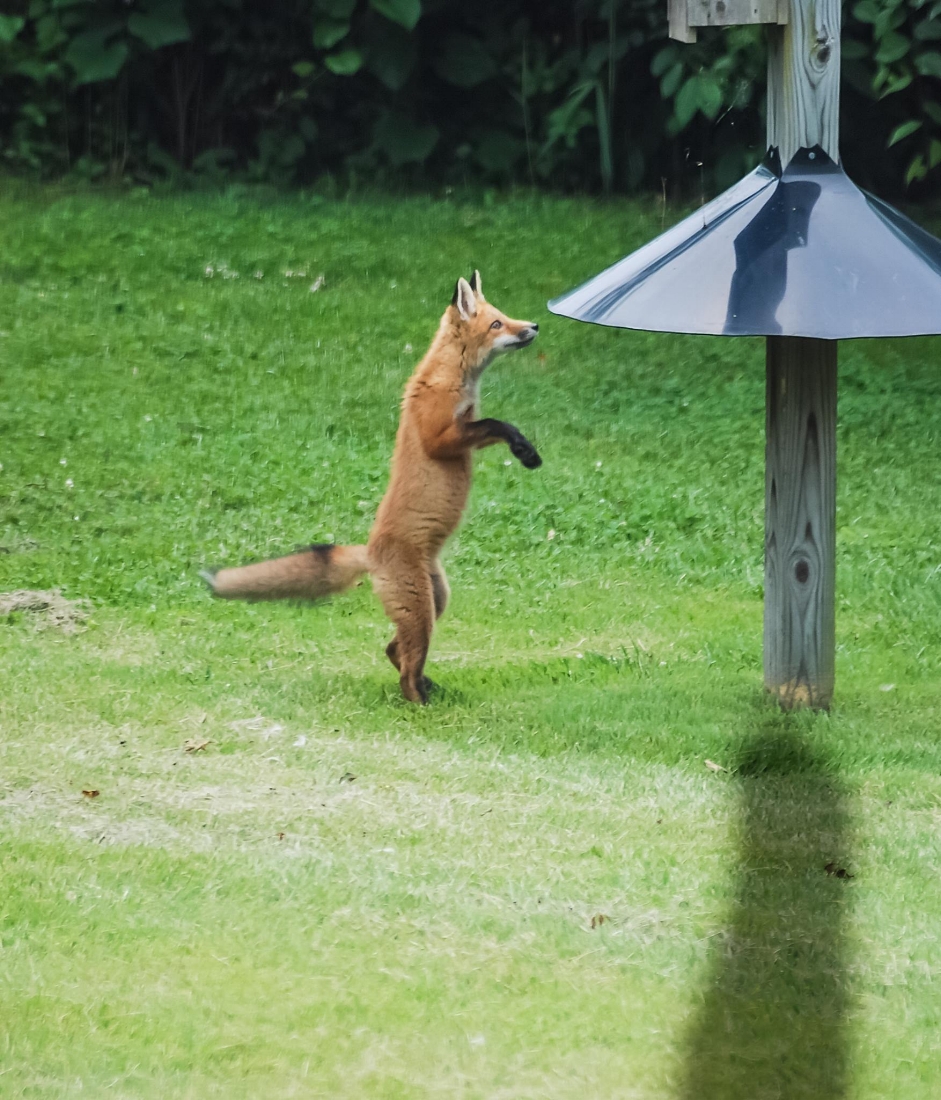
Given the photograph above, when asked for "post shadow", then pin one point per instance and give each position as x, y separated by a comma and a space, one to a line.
759, 281
772, 1023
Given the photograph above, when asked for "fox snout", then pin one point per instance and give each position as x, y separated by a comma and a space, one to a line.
516, 334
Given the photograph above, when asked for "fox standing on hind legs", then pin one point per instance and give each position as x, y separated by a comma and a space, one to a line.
431, 475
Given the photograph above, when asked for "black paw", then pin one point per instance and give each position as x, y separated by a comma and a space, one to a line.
526, 453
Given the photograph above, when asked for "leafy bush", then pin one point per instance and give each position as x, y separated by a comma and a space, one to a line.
586, 95
901, 41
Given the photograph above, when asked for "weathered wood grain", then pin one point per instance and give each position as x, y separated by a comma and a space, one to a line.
804, 79
800, 520
678, 21
684, 16
734, 13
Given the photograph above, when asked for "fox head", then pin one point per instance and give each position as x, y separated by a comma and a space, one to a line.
482, 328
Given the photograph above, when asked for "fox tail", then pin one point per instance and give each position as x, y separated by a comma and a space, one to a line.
310, 574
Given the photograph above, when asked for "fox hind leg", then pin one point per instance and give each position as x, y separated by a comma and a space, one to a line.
413, 635
408, 597
440, 591
440, 588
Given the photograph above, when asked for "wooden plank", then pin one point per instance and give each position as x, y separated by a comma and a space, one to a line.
732, 13
800, 520
804, 79
678, 21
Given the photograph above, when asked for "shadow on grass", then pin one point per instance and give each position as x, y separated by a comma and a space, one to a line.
773, 1020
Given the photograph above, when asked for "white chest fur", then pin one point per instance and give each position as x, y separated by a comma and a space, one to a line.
470, 398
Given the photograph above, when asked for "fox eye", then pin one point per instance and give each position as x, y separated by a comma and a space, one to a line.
497, 324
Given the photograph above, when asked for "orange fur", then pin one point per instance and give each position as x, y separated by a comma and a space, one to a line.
306, 575
430, 480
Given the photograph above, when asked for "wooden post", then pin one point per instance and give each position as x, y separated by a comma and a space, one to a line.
804, 79
800, 454
800, 519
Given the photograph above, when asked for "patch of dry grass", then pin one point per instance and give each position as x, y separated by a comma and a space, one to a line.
46, 610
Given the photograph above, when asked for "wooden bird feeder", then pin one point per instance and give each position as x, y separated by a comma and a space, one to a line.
686, 15
798, 254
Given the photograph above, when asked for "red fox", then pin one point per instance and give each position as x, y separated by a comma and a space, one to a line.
438, 432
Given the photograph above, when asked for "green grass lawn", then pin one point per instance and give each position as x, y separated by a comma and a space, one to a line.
534, 887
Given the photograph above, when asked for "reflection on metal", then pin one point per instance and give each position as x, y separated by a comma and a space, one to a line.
798, 253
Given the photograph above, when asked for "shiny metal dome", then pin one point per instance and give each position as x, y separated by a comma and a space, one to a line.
803, 252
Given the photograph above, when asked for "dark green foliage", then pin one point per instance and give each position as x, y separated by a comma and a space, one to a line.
571, 95
900, 39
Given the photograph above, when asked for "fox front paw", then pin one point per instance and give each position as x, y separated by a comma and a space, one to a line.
527, 454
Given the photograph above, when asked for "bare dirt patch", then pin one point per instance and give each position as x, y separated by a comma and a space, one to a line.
46, 609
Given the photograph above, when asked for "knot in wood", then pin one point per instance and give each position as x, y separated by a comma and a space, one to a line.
802, 572
822, 48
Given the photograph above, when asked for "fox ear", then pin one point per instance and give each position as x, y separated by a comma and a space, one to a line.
477, 286
464, 300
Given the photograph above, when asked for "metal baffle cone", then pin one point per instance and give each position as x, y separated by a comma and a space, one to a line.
798, 253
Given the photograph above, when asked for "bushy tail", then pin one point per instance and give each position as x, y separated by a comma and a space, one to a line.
307, 575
